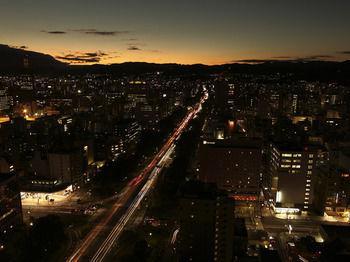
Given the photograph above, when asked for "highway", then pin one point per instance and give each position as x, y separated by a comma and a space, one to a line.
99, 241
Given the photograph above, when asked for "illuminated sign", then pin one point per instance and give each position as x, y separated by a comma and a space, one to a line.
285, 210
208, 142
278, 197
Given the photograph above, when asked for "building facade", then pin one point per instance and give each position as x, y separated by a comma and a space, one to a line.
291, 172
233, 164
206, 224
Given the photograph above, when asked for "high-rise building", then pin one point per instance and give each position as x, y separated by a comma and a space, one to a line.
127, 133
332, 184
66, 166
290, 178
235, 165
222, 89
4, 101
206, 224
10, 204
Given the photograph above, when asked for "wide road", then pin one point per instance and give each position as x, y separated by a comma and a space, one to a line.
100, 240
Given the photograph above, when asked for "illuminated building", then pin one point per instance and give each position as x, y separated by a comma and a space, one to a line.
294, 103
54, 172
233, 164
66, 122
36, 190
148, 105
332, 184
147, 114
127, 133
4, 100
292, 170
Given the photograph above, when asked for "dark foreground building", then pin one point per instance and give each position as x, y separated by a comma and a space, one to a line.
206, 224
10, 205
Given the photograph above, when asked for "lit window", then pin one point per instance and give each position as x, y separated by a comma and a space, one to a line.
285, 166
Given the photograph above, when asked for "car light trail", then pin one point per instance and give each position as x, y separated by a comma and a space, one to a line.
115, 233
149, 174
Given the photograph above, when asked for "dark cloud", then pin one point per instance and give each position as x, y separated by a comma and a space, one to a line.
96, 54
90, 32
54, 32
19, 47
344, 52
134, 48
101, 33
80, 58
314, 57
112, 57
255, 61
285, 59
282, 57
77, 59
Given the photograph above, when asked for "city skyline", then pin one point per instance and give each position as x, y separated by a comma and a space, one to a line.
174, 130
184, 32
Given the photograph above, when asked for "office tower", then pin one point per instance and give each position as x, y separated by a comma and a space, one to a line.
292, 170
206, 224
233, 164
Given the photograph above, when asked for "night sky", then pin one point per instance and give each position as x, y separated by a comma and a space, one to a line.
180, 31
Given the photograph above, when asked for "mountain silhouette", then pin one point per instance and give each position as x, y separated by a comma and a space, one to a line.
15, 60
